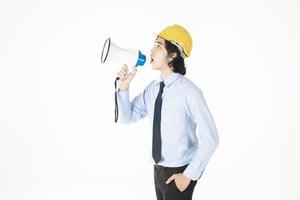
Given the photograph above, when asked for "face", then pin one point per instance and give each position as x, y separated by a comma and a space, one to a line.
159, 55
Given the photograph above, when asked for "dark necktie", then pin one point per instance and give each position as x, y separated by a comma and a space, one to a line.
156, 143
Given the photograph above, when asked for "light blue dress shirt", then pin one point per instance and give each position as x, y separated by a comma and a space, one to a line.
188, 132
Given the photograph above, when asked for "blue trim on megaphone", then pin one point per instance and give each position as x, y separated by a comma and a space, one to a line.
141, 59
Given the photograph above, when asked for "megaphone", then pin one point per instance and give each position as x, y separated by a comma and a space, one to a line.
112, 52
131, 57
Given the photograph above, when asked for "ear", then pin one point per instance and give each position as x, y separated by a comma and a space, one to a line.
172, 56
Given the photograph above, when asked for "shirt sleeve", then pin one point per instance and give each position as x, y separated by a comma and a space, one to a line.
206, 130
130, 112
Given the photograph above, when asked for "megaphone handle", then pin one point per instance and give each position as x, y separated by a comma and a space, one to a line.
116, 101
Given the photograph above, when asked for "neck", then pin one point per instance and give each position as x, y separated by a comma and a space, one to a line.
165, 73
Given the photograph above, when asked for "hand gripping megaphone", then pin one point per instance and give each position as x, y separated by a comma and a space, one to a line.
113, 52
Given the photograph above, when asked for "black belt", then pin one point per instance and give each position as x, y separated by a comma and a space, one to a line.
163, 167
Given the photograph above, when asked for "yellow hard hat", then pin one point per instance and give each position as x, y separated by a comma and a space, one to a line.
178, 36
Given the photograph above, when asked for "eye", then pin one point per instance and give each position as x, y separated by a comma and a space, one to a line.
156, 45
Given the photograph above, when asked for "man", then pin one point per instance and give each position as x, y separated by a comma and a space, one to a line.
177, 113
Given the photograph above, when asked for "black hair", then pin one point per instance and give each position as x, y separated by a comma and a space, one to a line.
177, 63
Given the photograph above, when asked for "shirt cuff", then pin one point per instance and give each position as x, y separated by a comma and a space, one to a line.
123, 94
188, 172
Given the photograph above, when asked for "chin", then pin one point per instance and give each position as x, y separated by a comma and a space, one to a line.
155, 68
152, 66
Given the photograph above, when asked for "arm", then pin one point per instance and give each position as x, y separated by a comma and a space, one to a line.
207, 133
129, 111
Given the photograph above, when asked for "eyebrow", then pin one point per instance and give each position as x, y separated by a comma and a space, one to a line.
159, 42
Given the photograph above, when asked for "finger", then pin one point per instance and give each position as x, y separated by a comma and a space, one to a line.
125, 67
121, 76
123, 73
134, 69
171, 179
122, 69
132, 74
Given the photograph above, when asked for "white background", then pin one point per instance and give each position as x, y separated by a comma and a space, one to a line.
57, 136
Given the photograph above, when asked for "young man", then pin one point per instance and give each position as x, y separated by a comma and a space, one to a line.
177, 113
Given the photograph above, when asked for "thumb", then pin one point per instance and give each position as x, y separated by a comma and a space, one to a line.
170, 179
132, 73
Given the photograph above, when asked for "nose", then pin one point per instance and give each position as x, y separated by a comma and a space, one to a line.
152, 51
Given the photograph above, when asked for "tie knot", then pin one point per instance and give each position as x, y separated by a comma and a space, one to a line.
162, 85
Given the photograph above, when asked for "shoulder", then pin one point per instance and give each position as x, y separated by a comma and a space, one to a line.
150, 85
189, 86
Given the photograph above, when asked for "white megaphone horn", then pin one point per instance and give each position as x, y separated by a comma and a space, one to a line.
130, 57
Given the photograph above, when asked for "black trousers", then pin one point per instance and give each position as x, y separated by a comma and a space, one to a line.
170, 191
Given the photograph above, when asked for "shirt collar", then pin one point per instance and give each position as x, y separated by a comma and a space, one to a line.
169, 80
